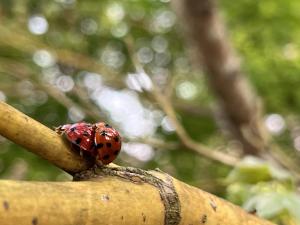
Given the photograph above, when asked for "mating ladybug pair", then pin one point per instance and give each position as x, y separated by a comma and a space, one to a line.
99, 140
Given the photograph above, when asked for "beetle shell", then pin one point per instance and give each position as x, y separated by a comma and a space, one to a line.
80, 134
107, 142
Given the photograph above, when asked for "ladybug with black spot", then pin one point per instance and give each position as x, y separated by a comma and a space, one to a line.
99, 140
107, 142
80, 135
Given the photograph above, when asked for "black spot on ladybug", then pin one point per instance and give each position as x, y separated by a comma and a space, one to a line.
73, 129
116, 152
78, 140
204, 219
103, 133
107, 125
100, 145
108, 145
85, 133
5, 205
106, 157
116, 139
34, 221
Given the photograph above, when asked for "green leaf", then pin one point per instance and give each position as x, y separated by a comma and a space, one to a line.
253, 170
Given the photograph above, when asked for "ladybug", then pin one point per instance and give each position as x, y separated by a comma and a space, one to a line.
107, 143
80, 135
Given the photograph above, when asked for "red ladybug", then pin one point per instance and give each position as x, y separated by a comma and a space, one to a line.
107, 142
79, 134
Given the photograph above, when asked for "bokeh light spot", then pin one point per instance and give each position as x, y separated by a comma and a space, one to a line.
140, 151
37, 24
113, 58
167, 125
64, 83
125, 108
120, 30
275, 124
297, 143
43, 58
186, 90
88, 26
145, 55
115, 12
159, 44
75, 114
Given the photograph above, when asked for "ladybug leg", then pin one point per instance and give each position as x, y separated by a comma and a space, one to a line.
81, 153
59, 130
99, 163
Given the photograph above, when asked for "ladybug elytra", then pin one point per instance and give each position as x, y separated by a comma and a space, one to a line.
99, 140
80, 134
107, 142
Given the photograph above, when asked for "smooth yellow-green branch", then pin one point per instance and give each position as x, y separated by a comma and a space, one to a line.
118, 198
39, 139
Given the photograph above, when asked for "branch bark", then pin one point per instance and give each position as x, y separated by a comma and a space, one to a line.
116, 195
206, 32
39, 139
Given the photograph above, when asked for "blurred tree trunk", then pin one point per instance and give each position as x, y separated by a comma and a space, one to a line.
240, 106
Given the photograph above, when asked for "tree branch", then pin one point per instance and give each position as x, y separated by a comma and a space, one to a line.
186, 140
39, 139
166, 105
116, 195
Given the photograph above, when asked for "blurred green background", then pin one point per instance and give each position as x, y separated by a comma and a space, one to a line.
65, 61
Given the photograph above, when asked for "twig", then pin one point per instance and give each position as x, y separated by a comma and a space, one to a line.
185, 138
86, 102
167, 107
55, 93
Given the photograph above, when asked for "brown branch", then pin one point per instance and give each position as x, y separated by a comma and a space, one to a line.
206, 32
166, 105
39, 139
186, 140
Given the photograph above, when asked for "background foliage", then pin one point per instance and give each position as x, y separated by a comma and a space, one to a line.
65, 61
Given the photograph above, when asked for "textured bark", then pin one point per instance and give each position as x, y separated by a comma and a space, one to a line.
205, 31
116, 196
